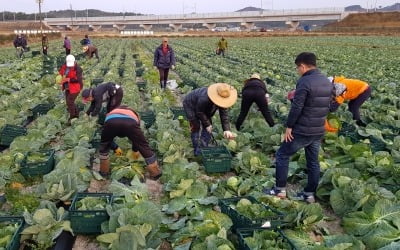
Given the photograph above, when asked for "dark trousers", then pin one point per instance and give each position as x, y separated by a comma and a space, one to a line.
115, 100
94, 53
311, 146
44, 50
354, 105
249, 96
163, 76
71, 106
67, 51
122, 127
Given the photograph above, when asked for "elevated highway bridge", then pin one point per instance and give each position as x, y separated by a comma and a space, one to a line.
209, 20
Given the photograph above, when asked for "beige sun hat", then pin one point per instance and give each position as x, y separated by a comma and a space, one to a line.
222, 94
256, 76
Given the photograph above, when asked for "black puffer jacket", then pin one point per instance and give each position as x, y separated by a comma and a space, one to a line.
102, 93
164, 61
255, 83
201, 107
310, 105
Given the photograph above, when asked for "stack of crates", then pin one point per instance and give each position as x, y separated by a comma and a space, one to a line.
9, 133
30, 169
88, 221
216, 159
141, 85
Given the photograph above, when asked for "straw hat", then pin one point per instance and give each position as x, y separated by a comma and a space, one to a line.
222, 94
255, 76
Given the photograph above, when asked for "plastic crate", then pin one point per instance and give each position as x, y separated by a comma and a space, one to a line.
148, 117
138, 64
38, 168
35, 52
14, 243
241, 221
178, 111
97, 81
216, 159
141, 85
249, 232
135, 56
95, 142
88, 221
41, 109
139, 71
9, 133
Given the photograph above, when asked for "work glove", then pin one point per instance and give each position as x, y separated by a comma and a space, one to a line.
135, 155
118, 151
173, 67
229, 135
209, 129
291, 94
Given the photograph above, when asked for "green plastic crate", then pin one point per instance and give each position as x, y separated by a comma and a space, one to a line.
249, 232
138, 64
35, 52
216, 159
95, 142
88, 221
139, 71
241, 221
14, 243
148, 117
135, 56
41, 109
97, 81
141, 85
178, 111
102, 116
38, 168
9, 133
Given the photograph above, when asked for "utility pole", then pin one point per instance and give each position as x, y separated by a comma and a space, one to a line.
40, 14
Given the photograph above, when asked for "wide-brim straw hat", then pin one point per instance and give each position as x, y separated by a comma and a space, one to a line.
255, 76
222, 94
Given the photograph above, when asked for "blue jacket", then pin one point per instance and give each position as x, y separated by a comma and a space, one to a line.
310, 105
164, 61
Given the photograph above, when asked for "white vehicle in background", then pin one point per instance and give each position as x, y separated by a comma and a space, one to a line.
219, 29
234, 29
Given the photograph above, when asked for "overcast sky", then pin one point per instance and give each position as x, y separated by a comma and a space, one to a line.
180, 6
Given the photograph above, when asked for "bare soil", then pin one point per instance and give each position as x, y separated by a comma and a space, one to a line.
85, 243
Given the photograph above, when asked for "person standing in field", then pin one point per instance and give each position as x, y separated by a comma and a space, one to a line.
20, 45
45, 44
304, 126
70, 75
67, 46
164, 59
352, 90
254, 90
222, 46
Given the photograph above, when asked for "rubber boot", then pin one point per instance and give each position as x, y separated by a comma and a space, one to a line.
165, 85
205, 138
161, 84
195, 141
154, 170
104, 165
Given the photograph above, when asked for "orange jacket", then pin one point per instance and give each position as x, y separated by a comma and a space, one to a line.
354, 88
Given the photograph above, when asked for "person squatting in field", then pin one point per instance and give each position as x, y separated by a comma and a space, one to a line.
109, 92
352, 90
201, 104
254, 90
125, 122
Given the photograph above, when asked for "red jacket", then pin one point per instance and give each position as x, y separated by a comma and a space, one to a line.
75, 77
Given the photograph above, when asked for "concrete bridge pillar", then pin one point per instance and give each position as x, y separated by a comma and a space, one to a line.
95, 27
146, 26
176, 26
209, 26
293, 25
119, 27
248, 25
73, 27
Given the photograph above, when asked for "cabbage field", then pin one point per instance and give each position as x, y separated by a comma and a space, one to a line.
358, 195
